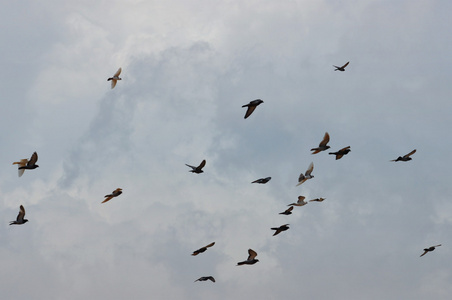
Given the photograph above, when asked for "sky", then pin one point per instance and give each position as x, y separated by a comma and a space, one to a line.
187, 69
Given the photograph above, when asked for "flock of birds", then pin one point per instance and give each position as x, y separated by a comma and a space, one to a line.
30, 164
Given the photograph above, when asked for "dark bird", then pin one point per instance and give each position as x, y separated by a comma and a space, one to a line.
25, 164
429, 249
197, 169
323, 144
262, 180
307, 175
300, 202
203, 249
251, 260
113, 194
342, 69
280, 228
287, 211
205, 278
251, 107
20, 217
341, 152
406, 157
317, 200
115, 78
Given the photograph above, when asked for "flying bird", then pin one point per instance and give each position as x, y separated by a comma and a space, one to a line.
20, 217
113, 194
300, 202
203, 249
115, 78
317, 200
429, 249
280, 228
205, 278
342, 69
197, 169
251, 260
323, 144
406, 157
262, 180
287, 211
307, 175
251, 107
341, 152
25, 164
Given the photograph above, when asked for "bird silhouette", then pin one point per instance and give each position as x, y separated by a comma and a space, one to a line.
115, 78
203, 249
300, 201
317, 200
197, 169
205, 278
113, 194
323, 144
280, 228
287, 211
251, 107
342, 69
20, 217
307, 175
251, 260
262, 180
341, 152
406, 157
426, 250
27, 164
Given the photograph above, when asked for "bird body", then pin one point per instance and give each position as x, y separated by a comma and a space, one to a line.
317, 200
205, 278
115, 193
406, 157
20, 217
280, 228
251, 107
342, 69
262, 180
203, 249
341, 152
323, 144
430, 249
287, 211
251, 260
27, 164
197, 169
307, 175
115, 78
300, 202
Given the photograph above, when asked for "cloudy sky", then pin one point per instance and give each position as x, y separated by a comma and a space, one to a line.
188, 67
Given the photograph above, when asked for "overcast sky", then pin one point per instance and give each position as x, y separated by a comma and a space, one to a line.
187, 68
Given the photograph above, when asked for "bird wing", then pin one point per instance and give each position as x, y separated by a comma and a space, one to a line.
109, 197
113, 82
252, 254
289, 209
21, 215
203, 163
345, 65
339, 156
33, 159
309, 170
425, 252
411, 153
117, 72
210, 245
249, 111
326, 139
